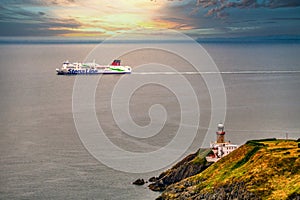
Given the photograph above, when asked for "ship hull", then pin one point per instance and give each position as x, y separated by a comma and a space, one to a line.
97, 73
89, 72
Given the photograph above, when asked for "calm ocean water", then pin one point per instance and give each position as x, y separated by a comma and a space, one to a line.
42, 157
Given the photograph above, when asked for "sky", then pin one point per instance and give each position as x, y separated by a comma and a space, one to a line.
104, 18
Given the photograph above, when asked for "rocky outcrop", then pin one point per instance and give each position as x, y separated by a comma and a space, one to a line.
294, 196
189, 166
139, 182
153, 179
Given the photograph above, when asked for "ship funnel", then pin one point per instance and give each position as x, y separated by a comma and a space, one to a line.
116, 63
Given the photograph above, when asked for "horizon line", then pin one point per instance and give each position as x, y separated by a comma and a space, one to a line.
89, 40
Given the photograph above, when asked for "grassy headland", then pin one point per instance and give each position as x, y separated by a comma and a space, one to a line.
259, 169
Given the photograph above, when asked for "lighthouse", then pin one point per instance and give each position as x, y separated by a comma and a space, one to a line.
220, 133
220, 148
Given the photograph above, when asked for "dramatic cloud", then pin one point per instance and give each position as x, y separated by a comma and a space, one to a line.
235, 18
18, 21
219, 7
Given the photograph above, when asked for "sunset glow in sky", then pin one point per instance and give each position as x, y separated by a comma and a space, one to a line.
103, 18
109, 16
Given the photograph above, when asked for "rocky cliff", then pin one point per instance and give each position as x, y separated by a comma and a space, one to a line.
189, 166
260, 169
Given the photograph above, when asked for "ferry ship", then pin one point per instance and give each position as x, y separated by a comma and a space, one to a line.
78, 68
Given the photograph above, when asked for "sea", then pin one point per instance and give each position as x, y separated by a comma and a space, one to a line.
43, 155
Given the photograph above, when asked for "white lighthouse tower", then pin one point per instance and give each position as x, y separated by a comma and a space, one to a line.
220, 148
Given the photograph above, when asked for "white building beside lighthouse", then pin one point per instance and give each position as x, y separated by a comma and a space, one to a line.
220, 148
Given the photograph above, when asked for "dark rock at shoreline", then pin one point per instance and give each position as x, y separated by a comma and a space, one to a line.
189, 166
153, 179
139, 182
294, 196
158, 186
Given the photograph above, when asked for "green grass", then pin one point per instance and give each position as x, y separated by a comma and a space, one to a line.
270, 168
246, 158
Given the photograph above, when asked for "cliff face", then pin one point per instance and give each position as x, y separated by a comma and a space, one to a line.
189, 166
265, 169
